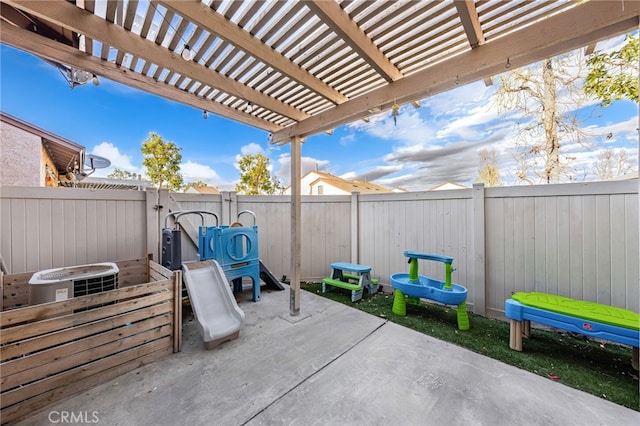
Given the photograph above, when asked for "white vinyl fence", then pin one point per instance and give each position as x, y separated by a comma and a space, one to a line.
576, 240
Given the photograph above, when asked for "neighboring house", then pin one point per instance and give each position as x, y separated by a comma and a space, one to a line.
448, 185
319, 183
31, 156
202, 190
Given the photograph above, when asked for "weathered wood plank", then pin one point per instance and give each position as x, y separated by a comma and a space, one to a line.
15, 296
155, 276
66, 357
130, 270
26, 331
15, 290
63, 352
96, 355
159, 269
15, 287
133, 279
177, 312
79, 379
23, 347
13, 279
44, 310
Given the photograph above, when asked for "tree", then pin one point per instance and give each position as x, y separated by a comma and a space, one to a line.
489, 173
548, 98
612, 163
162, 161
255, 176
122, 174
614, 75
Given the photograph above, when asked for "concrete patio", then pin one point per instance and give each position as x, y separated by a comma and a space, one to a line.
332, 365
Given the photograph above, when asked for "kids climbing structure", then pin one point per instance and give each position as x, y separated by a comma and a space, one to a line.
235, 248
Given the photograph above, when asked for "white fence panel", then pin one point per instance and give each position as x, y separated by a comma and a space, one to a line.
273, 217
325, 232
576, 240
192, 222
429, 222
45, 227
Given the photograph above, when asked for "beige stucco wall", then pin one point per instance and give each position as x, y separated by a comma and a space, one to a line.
20, 157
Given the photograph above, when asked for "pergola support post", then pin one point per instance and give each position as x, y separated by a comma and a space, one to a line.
296, 227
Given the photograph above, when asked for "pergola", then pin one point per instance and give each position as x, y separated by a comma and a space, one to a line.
297, 68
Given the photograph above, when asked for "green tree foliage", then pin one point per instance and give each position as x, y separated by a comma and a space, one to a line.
547, 97
614, 75
489, 173
122, 174
255, 176
162, 161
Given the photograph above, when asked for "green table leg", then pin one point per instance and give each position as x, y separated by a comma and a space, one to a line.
399, 303
463, 317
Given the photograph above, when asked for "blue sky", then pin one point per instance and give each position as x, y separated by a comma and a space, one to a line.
437, 142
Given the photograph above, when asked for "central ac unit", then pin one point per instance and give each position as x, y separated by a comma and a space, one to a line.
52, 285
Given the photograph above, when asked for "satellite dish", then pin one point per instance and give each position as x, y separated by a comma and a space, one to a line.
96, 162
93, 162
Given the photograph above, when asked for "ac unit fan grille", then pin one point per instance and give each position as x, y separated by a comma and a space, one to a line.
95, 285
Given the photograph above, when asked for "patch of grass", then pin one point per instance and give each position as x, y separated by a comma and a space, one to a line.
601, 369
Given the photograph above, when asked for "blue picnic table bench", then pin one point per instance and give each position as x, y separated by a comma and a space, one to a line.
351, 276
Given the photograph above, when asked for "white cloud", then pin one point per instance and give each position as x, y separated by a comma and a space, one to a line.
347, 139
251, 149
376, 173
623, 130
307, 164
409, 129
456, 101
610, 44
473, 124
117, 159
192, 172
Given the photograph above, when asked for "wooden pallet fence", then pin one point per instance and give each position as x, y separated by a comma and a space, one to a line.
52, 351
15, 290
133, 271
15, 287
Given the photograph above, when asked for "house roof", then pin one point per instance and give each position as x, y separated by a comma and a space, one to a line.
203, 190
297, 68
63, 152
349, 186
448, 185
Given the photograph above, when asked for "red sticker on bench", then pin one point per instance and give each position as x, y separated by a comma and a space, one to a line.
587, 326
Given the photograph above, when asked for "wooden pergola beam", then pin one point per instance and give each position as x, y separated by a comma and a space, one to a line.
544, 39
206, 17
58, 52
470, 22
67, 15
472, 28
339, 22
